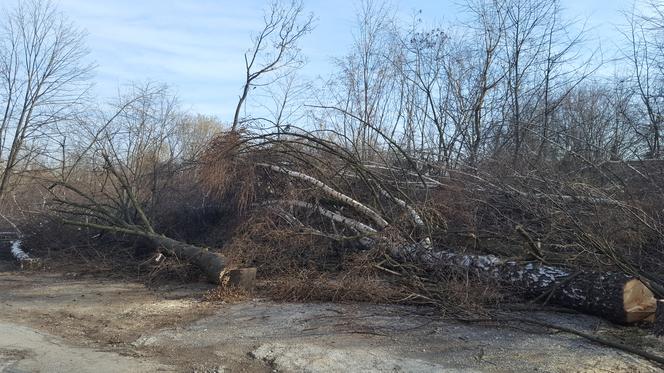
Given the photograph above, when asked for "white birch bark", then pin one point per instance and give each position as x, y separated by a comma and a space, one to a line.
358, 206
351, 223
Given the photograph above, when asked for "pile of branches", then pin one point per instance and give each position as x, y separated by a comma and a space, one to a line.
317, 205
322, 220
590, 218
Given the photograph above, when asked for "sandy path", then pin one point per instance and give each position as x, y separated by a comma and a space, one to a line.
63, 323
24, 349
374, 338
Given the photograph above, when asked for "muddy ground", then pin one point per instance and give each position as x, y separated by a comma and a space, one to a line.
63, 322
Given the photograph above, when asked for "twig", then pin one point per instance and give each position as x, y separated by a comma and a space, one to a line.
387, 270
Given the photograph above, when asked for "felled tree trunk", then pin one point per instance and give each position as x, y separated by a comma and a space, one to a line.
617, 297
212, 264
240, 278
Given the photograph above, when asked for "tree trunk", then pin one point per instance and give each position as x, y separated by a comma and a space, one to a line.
241, 278
18, 252
212, 264
617, 297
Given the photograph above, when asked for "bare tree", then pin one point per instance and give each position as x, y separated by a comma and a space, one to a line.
486, 79
283, 105
645, 54
366, 88
524, 46
142, 141
42, 76
425, 70
193, 133
275, 48
132, 157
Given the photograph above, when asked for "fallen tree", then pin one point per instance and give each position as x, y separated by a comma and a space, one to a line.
369, 211
615, 296
111, 218
211, 264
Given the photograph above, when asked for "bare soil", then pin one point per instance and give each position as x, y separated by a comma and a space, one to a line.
58, 322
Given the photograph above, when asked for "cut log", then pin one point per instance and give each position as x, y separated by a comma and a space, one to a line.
617, 297
212, 264
639, 301
658, 326
241, 278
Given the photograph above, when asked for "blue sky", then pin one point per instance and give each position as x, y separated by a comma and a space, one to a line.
196, 46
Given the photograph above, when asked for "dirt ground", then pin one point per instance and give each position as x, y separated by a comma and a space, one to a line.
61, 322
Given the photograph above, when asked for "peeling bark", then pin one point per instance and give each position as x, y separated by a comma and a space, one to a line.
351, 223
414, 215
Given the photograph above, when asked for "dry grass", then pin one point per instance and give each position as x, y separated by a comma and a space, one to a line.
309, 285
228, 176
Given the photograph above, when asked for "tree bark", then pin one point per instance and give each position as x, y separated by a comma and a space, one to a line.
240, 278
212, 264
617, 297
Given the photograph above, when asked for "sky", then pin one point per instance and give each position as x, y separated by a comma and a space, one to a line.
197, 46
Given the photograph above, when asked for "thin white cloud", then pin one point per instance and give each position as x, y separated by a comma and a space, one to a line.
196, 46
